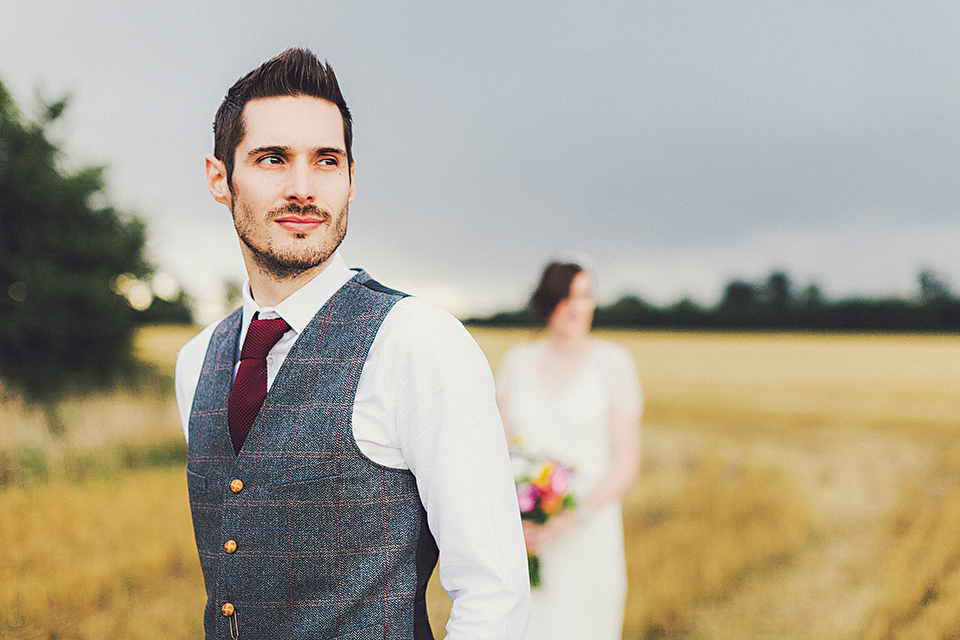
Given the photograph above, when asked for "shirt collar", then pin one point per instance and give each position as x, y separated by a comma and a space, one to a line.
299, 308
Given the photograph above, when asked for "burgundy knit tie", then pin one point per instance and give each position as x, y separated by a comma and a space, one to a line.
250, 385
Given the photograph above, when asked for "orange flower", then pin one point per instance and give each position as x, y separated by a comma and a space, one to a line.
551, 503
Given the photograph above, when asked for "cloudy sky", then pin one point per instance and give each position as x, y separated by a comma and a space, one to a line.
677, 144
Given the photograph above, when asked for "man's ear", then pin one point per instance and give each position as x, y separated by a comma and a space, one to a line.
217, 181
353, 165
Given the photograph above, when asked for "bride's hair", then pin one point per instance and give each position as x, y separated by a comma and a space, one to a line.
554, 287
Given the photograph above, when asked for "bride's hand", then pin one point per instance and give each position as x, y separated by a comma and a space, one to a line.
532, 534
538, 535
557, 526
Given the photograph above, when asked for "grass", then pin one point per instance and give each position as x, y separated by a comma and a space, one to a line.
95, 533
793, 486
100, 558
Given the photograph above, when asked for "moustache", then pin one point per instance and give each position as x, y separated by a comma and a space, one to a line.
301, 210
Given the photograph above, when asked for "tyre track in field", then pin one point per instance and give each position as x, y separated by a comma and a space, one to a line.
830, 590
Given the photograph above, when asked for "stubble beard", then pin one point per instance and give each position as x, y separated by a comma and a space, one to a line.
284, 265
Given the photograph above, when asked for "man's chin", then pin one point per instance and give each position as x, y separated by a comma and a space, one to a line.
292, 258
281, 268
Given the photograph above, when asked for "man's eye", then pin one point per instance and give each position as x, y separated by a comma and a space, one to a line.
329, 162
271, 160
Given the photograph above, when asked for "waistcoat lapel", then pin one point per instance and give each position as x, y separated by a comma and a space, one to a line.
209, 427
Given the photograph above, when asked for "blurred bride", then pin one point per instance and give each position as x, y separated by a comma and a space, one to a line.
573, 397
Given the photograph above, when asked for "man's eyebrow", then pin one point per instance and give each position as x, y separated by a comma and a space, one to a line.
321, 151
281, 150
274, 149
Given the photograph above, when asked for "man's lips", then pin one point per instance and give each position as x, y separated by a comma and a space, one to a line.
300, 223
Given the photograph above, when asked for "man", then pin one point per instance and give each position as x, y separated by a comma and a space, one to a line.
378, 446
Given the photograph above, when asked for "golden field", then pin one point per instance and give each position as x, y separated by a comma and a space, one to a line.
793, 486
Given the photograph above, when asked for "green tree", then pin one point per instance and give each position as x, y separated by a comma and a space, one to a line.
777, 290
932, 287
63, 325
627, 312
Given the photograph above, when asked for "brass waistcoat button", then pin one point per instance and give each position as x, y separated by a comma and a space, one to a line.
230, 546
236, 485
227, 609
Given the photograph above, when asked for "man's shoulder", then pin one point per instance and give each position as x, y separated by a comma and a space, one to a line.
197, 345
429, 343
414, 326
414, 316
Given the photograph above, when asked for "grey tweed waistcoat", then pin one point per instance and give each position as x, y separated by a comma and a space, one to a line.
316, 540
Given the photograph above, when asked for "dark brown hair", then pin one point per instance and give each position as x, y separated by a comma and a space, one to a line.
295, 72
554, 287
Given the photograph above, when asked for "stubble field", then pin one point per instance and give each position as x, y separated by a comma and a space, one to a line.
793, 486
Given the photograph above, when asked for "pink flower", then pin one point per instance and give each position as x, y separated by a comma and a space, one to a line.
527, 496
560, 482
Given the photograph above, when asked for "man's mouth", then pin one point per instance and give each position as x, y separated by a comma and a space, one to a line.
300, 224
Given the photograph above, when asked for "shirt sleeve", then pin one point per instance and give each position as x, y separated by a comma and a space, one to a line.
187, 373
450, 433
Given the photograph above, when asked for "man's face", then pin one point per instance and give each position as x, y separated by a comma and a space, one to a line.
291, 185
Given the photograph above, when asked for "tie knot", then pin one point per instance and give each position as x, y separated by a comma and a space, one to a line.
261, 336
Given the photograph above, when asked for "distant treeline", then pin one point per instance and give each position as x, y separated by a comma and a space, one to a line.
774, 305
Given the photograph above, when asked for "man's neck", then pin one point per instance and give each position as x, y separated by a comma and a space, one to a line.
268, 291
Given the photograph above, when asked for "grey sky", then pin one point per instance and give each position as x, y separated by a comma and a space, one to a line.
677, 144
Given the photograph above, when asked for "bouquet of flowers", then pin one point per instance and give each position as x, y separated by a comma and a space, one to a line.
543, 490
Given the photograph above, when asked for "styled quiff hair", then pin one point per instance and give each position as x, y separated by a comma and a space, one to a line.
554, 287
295, 72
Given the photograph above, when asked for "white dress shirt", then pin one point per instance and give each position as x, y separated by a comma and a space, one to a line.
425, 402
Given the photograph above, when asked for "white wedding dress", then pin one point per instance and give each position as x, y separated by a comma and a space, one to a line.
583, 577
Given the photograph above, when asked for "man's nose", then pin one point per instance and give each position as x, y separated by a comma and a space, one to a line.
300, 187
